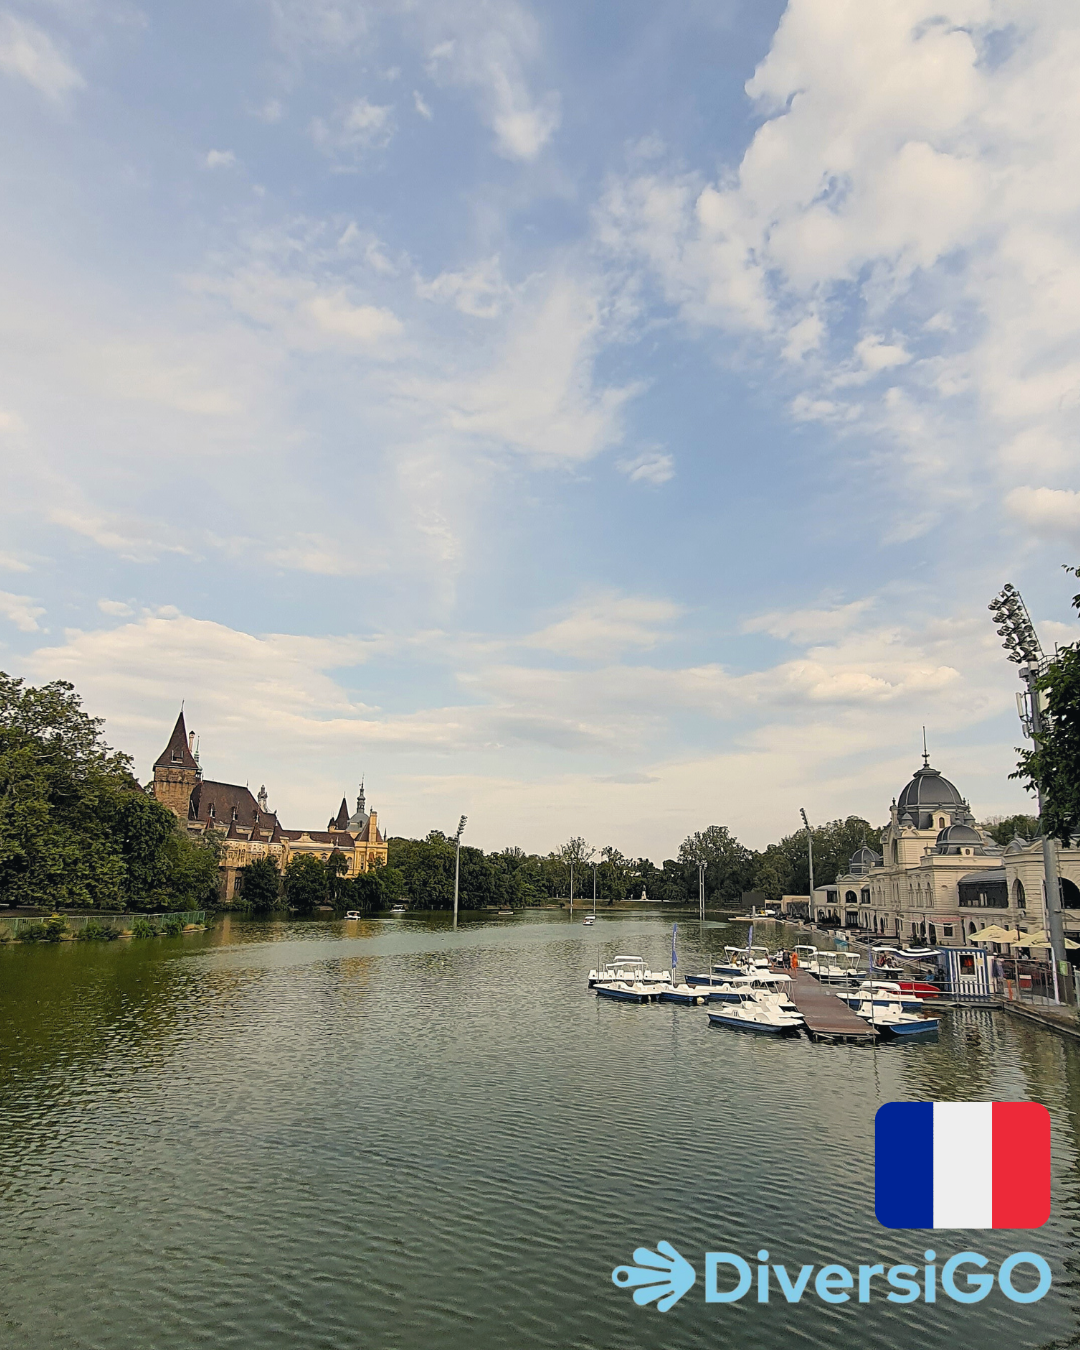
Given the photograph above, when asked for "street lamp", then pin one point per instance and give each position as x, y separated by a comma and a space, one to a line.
810, 860
595, 865
457, 862
1022, 644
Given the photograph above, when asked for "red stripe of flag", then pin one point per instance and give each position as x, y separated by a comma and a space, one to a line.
1021, 1165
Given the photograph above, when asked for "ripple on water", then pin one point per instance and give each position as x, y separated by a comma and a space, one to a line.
304, 1138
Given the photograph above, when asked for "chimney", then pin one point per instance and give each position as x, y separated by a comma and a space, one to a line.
191, 742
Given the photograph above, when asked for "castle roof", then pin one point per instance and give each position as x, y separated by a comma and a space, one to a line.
177, 754
222, 803
341, 820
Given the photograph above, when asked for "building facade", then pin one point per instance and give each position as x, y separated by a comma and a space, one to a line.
246, 826
938, 878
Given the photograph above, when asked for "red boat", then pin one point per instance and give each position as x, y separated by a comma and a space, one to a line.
919, 987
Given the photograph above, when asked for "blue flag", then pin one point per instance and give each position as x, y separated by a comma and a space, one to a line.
674, 958
750, 938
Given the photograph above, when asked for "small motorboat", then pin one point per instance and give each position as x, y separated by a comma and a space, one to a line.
882, 993
629, 991
589, 920
352, 915
896, 1025
758, 1015
628, 968
691, 994
399, 909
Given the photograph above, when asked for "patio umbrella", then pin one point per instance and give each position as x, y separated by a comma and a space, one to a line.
1042, 939
995, 933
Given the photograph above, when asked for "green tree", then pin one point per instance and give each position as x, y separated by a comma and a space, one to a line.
75, 827
304, 882
260, 885
729, 865
783, 868
1053, 767
336, 866
1003, 829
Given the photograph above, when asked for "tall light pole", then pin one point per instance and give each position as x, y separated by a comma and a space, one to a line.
810, 860
701, 866
457, 862
1022, 644
594, 867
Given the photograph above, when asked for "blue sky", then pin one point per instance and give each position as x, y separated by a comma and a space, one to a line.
596, 427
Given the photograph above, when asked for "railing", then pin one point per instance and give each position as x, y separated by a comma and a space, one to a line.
12, 924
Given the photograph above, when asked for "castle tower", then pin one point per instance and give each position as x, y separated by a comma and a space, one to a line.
176, 772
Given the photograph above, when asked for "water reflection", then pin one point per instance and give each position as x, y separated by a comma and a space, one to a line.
314, 1134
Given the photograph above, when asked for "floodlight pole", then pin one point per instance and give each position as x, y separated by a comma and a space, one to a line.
457, 863
810, 860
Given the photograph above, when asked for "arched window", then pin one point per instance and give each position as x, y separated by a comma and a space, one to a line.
941, 822
895, 851
850, 898
1019, 894
1070, 894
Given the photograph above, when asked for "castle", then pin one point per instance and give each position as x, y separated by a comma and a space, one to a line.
248, 828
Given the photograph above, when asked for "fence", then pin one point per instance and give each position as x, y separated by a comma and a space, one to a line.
11, 925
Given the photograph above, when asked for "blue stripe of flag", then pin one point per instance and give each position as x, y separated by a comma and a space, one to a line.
904, 1164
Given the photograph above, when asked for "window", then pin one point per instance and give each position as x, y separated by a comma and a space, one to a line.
850, 898
946, 930
941, 822
1019, 894
967, 965
1070, 894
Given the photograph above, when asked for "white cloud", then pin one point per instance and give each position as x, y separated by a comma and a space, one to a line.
136, 541
653, 466
10, 563
479, 291
367, 324
115, 608
21, 611
1047, 511
910, 179
358, 127
607, 624
538, 396
28, 52
421, 107
490, 51
810, 625
220, 159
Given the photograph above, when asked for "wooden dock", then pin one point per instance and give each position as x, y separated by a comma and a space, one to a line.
827, 1018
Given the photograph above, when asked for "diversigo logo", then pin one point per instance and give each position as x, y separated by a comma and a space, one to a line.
938, 1165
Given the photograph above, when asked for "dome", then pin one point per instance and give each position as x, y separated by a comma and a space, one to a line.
960, 839
928, 792
862, 860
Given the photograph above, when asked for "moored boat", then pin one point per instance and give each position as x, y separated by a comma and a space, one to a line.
756, 1015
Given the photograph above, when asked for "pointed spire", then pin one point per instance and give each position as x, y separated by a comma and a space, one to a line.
925, 752
341, 821
177, 754
360, 799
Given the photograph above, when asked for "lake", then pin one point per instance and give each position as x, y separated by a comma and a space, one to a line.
390, 1134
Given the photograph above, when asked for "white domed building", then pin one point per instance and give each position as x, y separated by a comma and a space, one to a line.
938, 878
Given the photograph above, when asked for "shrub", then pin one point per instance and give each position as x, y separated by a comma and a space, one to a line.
142, 928
93, 931
55, 927
173, 926
33, 932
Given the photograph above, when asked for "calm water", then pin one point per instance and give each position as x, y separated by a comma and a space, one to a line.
302, 1136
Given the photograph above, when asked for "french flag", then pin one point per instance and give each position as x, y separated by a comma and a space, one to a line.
962, 1164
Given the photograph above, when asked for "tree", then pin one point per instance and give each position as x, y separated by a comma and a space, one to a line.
304, 882
260, 885
729, 865
76, 829
1003, 829
784, 869
575, 853
1053, 767
336, 866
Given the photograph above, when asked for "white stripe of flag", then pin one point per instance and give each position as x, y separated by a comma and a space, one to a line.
963, 1165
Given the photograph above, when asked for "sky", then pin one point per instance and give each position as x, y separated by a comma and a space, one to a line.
606, 421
